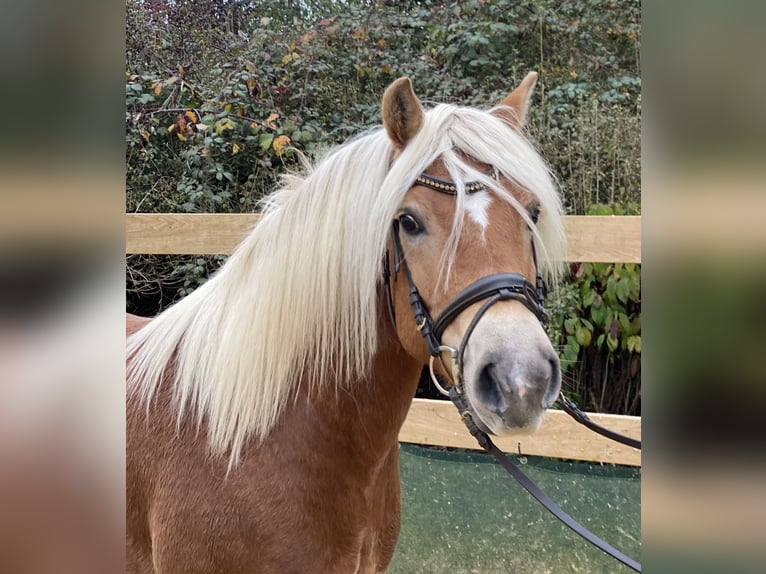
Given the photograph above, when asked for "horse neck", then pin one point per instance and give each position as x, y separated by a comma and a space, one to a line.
363, 417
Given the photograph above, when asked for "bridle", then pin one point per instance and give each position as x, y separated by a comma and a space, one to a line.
490, 289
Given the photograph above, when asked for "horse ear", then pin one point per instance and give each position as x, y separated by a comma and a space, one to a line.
402, 112
517, 101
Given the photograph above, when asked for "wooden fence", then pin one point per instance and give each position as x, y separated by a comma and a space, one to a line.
594, 239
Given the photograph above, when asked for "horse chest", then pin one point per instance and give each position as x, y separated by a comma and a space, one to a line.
281, 510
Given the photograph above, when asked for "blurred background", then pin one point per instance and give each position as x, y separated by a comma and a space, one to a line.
690, 73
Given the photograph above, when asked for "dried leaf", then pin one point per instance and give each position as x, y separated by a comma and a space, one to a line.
280, 143
271, 121
308, 36
360, 34
222, 125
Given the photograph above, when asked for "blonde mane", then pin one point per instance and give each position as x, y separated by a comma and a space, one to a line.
297, 300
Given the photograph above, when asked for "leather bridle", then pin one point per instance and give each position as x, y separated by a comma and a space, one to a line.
490, 289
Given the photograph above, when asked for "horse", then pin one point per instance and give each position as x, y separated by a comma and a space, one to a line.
263, 409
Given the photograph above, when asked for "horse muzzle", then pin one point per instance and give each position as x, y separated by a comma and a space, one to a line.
511, 374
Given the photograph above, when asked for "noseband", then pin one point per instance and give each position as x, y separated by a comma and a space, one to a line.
490, 289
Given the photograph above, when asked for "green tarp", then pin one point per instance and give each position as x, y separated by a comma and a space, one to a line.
462, 513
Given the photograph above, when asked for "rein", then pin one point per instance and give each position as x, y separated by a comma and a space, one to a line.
573, 411
490, 289
460, 402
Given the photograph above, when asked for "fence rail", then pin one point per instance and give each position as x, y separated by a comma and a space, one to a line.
591, 238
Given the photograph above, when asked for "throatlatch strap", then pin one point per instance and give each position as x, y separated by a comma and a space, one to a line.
420, 312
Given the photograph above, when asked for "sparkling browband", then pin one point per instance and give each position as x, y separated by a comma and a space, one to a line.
449, 187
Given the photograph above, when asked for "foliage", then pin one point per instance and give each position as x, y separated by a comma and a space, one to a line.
597, 318
220, 97
322, 70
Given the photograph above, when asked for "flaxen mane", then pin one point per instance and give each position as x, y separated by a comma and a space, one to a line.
298, 298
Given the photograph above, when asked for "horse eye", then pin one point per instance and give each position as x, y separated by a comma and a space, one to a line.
410, 225
534, 213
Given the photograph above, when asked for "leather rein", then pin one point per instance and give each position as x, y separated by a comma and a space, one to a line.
490, 289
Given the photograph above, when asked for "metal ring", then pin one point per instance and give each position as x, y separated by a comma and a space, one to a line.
441, 389
435, 381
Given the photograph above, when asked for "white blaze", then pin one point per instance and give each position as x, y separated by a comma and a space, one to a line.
476, 204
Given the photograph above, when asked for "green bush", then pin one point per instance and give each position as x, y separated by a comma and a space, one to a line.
597, 318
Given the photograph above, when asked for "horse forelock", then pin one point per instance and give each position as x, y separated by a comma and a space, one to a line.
296, 303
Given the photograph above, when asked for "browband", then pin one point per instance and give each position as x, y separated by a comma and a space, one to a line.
450, 188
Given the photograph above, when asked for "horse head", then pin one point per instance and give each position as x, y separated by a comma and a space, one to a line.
464, 246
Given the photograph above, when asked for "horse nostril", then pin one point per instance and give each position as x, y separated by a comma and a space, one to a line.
555, 370
553, 384
487, 387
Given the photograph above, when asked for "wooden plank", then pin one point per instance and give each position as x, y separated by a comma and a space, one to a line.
591, 238
438, 423
604, 239
186, 234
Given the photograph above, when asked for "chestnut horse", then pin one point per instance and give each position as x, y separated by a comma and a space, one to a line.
264, 408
